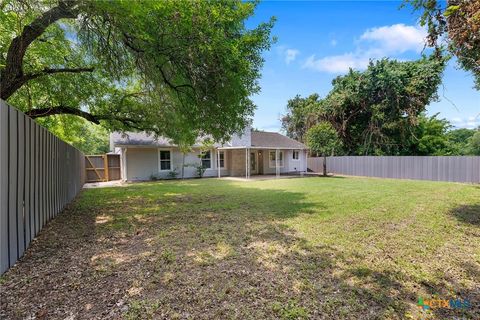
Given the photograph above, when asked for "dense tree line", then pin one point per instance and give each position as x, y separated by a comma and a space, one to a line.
381, 111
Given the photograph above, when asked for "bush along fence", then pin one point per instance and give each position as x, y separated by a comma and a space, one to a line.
39, 175
445, 168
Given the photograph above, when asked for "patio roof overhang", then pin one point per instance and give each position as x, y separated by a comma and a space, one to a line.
153, 146
264, 148
149, 146
197, 146
247, 157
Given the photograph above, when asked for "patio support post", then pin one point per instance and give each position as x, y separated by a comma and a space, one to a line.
246, 163
277, 171
124, 156
305, 153
122, 164
218, 162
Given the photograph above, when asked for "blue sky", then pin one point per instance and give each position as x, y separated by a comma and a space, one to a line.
319, 40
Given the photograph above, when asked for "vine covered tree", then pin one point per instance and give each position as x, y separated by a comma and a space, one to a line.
459, 20
376, 111
175, 68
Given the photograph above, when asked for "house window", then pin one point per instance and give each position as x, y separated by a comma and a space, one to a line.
296, 155
272, 159
165, 160
206, 157
222, 159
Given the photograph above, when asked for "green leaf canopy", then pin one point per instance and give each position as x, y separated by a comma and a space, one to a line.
177, 68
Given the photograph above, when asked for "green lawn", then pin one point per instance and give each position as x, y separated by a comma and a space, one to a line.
320, 248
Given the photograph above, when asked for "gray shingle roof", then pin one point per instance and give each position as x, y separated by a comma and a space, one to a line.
143, 139
260, 139
274, 140
138, 138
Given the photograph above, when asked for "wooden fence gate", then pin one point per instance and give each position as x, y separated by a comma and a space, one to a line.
105, 167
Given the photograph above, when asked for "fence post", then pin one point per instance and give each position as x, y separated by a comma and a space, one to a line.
105, 167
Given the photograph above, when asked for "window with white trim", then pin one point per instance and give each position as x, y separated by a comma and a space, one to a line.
272, 158
206, 157
296, 155
222, 159
165, 160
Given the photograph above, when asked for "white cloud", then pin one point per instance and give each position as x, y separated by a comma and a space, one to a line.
336, 64
291, 55
287, 54
374, 43
397, 38
466, 122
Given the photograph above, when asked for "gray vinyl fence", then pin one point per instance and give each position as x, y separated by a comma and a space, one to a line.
39, 175
448, 168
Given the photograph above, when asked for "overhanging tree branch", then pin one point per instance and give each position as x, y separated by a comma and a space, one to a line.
48, 71
11, 76
50, 111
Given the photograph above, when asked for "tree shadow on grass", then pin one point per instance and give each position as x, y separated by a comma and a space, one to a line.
467, 213
203, 250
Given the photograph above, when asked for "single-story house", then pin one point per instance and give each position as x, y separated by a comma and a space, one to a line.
144, 157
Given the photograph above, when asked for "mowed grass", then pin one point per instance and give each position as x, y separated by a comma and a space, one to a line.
319, 248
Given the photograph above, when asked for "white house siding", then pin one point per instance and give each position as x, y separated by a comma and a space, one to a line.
142, 163
296, 165
266, 165
289, 165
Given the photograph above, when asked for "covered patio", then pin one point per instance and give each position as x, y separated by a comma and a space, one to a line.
258, 162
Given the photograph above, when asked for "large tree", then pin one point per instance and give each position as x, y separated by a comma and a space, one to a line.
460, 139
177, 68
459, 20
322, 139
82, 134
430, 137
474, 143
295, 121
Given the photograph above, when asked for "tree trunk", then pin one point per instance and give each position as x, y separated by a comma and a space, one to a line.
324, 166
